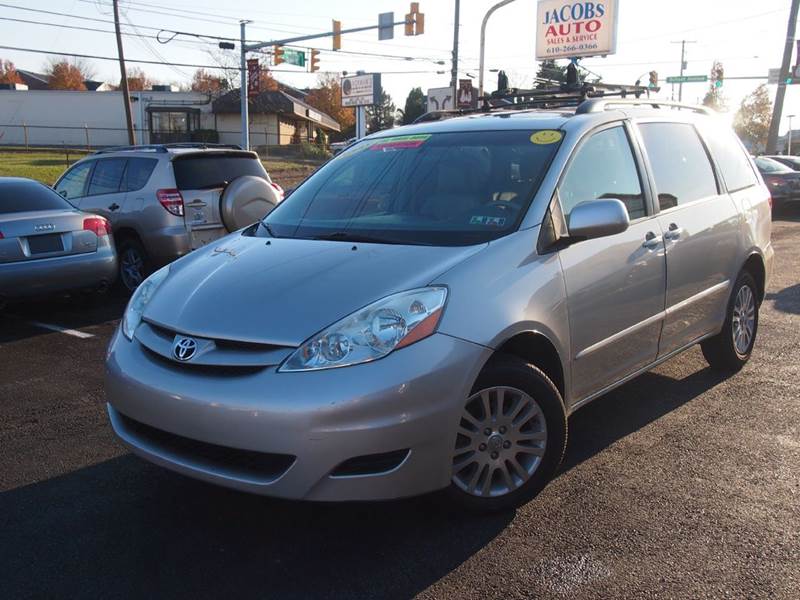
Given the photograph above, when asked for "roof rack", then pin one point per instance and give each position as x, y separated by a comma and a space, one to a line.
165, 147
595, 105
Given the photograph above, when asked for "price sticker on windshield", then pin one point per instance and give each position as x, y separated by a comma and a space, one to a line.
400, 142
546, 137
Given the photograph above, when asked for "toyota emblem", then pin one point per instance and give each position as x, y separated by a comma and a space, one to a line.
184, 348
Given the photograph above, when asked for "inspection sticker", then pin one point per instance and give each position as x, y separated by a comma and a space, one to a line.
400, 142
489, 221
546, 137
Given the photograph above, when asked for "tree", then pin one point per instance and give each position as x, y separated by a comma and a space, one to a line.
414, 108
268, 82
138, 81
714, 98
548, 69
8, 72
204, 81
753, 118
65, 75
327, 97
381, 116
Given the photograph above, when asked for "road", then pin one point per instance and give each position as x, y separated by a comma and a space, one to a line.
681, 484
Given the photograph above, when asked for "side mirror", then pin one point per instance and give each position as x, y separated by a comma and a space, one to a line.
598, 218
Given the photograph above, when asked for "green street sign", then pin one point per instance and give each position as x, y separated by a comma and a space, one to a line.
294, 57
688, 79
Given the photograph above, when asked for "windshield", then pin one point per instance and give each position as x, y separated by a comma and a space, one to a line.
439, 189
767, 165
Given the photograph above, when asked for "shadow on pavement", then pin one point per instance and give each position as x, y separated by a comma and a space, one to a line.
787, 300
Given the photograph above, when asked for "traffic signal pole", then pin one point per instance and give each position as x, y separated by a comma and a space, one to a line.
483, 42
774, 126
243, 92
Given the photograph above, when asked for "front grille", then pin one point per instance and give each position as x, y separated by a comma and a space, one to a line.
220, 370
261, 466
370, 464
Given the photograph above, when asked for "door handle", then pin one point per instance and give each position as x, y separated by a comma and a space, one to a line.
197, 204
113, 207
651, 240
674, 232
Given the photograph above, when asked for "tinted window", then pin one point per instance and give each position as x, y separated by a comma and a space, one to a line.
603, 167
20, 196
73, 183
680, 164
439, 189
767, 165
732, 160
138, 172
107, 176
210, 170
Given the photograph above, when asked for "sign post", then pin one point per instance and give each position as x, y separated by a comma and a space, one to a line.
575, 28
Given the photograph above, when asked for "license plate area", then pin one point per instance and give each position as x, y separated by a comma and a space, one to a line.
44, 244
201, 237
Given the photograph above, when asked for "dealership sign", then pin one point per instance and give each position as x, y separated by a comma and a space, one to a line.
574, 28
361, 90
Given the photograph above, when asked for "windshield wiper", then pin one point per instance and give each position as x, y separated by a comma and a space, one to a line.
345, 236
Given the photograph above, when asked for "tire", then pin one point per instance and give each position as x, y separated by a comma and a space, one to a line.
132, 258
721, 351
511, 379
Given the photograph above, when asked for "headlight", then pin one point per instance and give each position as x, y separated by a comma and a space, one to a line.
140, 299
372, 332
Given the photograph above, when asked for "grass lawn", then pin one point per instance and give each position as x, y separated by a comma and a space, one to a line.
46, 166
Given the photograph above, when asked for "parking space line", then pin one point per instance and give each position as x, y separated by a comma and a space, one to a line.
58, 328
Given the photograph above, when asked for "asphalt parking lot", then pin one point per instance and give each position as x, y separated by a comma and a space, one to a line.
681, 484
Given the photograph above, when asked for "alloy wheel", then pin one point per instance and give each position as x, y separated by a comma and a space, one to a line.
502, 437
131, 268
744, 320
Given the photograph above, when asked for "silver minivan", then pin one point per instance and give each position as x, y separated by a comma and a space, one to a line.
426, 311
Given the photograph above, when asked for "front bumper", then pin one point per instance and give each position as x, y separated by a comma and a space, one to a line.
409, 400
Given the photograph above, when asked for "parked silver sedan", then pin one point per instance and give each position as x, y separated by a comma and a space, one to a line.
47, 245
426, 310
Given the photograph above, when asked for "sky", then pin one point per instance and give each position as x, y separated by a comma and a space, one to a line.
748, 37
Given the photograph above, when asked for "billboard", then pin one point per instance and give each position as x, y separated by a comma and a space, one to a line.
361, 90
574, 28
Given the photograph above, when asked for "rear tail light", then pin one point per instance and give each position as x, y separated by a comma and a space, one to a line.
97, 224
278, 189
172, 201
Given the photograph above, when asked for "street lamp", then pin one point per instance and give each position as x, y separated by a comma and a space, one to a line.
483, 41
789, 141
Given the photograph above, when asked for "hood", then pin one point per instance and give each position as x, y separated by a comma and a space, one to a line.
282, 291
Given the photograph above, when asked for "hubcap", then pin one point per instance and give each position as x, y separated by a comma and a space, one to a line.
131, 269
502, 437
744, 320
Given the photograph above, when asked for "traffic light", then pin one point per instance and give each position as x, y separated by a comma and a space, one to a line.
415, 21
314, 60
337, 35
653, 79
719, 76
277, 54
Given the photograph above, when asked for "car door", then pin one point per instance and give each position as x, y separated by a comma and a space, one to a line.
615, 285
73, 183
105, 195
700, 223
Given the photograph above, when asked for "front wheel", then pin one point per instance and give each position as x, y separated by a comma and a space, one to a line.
511, 437
731, 348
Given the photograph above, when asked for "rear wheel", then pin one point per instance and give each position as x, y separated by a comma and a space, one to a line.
133, 265
731, 348
511, 437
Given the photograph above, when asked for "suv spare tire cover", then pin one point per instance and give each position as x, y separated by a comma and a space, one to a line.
245, 200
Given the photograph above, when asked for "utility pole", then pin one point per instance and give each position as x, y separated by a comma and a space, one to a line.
126, 95
454, 73
243, 90
774, 126
683, 64
789, 141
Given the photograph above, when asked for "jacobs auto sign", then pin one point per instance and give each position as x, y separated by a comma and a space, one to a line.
567, 29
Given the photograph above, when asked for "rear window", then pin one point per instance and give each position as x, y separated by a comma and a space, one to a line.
767, 165
731, 158
204, 171
23, 196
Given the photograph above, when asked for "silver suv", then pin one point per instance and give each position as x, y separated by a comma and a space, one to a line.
165, 200
426, 310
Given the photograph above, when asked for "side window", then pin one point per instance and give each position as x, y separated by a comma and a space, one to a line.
73, 183
681, 167
107, 176
137, 173
737, 171
603, 167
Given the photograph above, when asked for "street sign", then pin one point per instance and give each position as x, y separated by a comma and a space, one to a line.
773, 76
361, 90
386, 26
575, 28
688, 79
294, 57
441, 98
